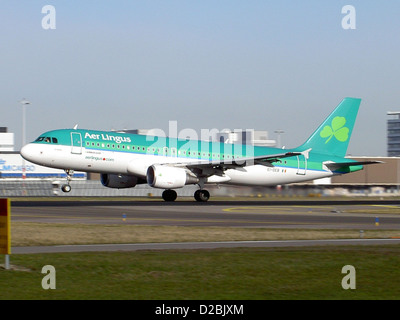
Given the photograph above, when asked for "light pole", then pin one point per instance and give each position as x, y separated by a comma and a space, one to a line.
24, 102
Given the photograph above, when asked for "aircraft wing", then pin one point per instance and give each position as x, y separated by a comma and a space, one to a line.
208, 168
245, 161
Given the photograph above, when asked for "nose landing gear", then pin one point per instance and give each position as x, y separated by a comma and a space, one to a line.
67, 187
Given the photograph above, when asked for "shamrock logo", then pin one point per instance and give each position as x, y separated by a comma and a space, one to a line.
336, 129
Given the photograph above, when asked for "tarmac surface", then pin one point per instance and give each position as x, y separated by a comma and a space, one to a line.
304, 214
361, 215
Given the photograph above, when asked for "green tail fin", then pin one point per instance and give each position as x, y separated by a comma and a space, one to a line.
333, 135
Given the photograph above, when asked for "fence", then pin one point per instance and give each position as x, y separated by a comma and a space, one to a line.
93, 188
48, 188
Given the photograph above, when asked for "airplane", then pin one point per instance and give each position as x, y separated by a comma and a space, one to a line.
125, 160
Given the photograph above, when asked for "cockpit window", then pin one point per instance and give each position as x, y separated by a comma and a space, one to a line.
47, 139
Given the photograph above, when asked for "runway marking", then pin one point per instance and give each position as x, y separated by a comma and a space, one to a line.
260, 208
311, 209
385, 206
267, 209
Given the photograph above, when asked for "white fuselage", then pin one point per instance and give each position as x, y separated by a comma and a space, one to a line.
125, 163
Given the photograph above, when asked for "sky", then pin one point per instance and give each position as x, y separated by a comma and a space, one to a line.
257, 64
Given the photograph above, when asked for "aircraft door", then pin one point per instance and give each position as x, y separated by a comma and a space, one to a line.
76, 143
301, 165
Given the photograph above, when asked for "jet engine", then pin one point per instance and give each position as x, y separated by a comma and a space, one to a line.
118, 181
165, 177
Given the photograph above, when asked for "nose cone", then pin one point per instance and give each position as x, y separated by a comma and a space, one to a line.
28, 152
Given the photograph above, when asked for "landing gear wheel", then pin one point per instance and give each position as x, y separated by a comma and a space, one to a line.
202, 195
169, 195
66, 188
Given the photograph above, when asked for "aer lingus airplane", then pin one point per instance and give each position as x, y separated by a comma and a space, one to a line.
125, 160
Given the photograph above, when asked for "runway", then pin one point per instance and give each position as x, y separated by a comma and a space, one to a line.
299, 214
250, 214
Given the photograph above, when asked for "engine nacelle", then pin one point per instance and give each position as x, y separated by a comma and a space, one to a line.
118, 181
166, 177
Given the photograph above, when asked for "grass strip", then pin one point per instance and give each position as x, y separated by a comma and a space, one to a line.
240, 273
36, 234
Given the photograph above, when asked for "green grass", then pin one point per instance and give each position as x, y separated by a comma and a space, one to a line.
242, 273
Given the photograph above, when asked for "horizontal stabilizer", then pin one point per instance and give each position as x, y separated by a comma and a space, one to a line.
338, 165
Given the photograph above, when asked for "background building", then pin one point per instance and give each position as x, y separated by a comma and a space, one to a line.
393, 134
11, 164
6, 140
385, 173
250, 137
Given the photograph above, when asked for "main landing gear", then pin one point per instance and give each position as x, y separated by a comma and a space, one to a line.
67, 187
201, 195
169, 195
